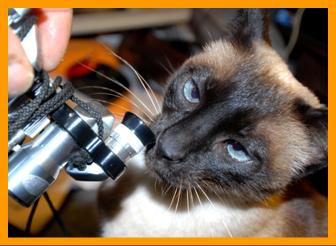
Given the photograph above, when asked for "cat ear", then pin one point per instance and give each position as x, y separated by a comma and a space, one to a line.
250, 25
316, 121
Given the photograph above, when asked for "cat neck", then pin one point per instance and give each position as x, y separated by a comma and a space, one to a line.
151, 209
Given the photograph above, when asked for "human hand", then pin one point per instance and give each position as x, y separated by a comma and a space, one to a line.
53, 33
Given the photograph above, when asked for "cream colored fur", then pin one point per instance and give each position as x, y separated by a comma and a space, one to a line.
142, 213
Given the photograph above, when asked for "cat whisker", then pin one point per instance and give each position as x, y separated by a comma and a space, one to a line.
191, 197
214, 191
117, 95
178, 198
198, 197
110, 94
111, 103
121, 85
106, 103
114, 93
204, 193
188, 201
156, 104
165, 68
141, 79
171, 203
218, 196
119, 106
169, 64
165, 192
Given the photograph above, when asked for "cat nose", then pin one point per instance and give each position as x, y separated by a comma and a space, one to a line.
169, 150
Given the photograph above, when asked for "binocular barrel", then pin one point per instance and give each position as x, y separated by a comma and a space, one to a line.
36, 165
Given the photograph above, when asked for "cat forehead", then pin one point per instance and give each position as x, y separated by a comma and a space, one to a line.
226, 60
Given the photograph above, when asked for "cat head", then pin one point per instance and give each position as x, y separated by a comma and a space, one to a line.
234, 119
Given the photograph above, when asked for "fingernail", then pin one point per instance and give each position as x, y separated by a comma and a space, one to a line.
20, 78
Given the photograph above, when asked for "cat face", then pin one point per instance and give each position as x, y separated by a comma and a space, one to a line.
235, 120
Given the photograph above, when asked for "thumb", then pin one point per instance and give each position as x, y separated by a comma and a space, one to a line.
20, 71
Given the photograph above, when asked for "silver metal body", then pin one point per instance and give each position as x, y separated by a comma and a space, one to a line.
37, 164
124, 143
34, 166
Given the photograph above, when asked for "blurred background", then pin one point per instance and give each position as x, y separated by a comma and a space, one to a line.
155, 42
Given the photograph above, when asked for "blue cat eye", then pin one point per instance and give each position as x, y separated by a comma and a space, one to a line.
237, 151
191, 92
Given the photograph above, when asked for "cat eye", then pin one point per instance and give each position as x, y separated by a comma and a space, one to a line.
237, 151
191, 92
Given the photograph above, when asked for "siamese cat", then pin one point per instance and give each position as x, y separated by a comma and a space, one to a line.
236, 135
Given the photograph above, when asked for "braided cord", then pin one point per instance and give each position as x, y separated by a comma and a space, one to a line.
47, 101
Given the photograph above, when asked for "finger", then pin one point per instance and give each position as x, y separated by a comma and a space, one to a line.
20, 71
54, 32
